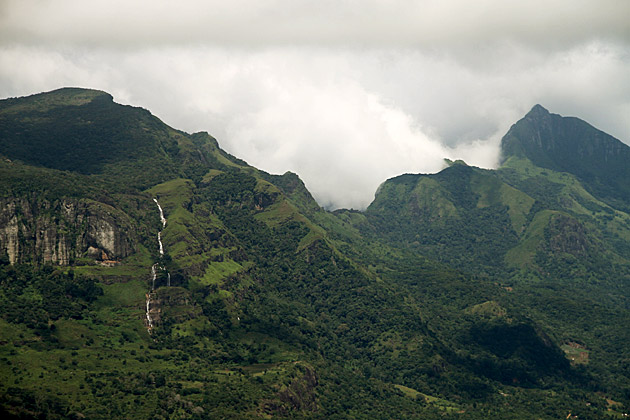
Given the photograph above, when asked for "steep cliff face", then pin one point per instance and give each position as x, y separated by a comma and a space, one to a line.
41, 231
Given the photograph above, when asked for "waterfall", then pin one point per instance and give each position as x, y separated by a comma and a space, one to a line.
162, 218
153, 276
154, 268
149, 320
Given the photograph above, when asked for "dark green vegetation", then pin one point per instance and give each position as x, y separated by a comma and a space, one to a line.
464, 294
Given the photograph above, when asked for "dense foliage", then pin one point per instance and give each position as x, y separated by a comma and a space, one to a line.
38, 297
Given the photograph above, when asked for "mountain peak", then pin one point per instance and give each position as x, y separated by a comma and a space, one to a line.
85, 131
537, 110
568, 144
56, 99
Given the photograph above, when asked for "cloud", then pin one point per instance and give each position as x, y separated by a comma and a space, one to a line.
380, 23
346, 94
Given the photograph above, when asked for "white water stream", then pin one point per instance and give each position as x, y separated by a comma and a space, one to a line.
153, 276
149, 320
154, 268
162, 218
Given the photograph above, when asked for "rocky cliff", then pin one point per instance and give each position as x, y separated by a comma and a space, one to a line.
40, 231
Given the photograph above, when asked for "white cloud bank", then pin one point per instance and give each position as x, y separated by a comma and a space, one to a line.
344, 93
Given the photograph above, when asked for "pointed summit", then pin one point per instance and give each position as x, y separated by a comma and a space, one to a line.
568, 144
537, 111
529, 136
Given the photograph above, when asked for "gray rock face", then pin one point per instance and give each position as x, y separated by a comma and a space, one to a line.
40, 231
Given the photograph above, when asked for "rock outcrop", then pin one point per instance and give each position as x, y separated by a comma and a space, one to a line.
40, 231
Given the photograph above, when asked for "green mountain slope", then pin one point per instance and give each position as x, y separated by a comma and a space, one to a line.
543, 226
441, 300
463, 216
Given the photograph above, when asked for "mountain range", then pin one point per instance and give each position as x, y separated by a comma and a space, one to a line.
147, 273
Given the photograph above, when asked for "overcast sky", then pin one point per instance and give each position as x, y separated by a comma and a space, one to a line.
346, 93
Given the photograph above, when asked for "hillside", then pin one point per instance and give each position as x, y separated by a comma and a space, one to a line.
147, 273
556, 239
